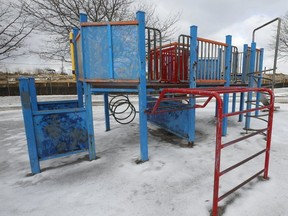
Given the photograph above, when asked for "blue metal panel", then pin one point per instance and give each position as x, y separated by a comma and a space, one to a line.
206, 68
111, 52
126, 52
95, 52
56, 105
61, 133
109, 90
142, 95
176, 122
57, 111
53, 128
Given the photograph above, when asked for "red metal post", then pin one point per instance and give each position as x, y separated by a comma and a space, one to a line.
217, 155
269, 134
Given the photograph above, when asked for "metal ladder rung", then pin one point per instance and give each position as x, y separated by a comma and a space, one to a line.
257, 116
251, 129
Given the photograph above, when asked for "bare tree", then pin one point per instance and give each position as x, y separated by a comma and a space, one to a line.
15, 27
283, 43
57, 18
166, 26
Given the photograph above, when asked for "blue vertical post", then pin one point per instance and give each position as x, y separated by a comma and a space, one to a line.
228, 54
243, 80
218, 74
29, 103
234, 102
106, 110
250, 82
79, 84
259, 79
192, 83
241, 106
220, 59
87, 94
33, 95
110, 51
142, 93
244, 64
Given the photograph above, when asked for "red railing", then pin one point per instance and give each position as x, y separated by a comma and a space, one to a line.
164, 64
209, 93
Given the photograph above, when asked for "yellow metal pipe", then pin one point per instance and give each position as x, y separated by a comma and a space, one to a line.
72, 55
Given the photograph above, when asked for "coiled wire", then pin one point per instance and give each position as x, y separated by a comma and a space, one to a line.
121, 108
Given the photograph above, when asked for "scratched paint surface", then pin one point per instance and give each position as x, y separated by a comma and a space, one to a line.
209, 68
175, 122
59, 105
60, 133
97, 52
125, 52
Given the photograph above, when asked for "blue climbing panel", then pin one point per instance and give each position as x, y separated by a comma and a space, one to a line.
54, 128
109, 52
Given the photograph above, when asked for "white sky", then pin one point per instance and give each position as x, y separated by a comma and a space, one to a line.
214, 19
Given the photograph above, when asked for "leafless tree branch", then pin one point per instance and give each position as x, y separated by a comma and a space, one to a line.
58, 17
283, 41
15, 27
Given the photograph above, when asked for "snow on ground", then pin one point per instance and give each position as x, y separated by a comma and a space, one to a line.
175, 181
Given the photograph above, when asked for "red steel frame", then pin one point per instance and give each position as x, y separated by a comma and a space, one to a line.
170, 58
216, 93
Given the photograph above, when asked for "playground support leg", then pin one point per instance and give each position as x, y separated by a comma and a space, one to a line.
217, 156
259, 80
106, 110
192, 83
250, 83
241, 108
228, 55
89, 119
269, 135
143, 128
234, 102
142, 94
27, 100
192, 120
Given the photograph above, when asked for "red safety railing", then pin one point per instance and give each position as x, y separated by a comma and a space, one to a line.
209, 93
164, 64
170, 63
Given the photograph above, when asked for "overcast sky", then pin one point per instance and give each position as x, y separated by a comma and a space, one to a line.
215, 20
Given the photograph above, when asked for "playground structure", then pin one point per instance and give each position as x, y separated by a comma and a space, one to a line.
111, 58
